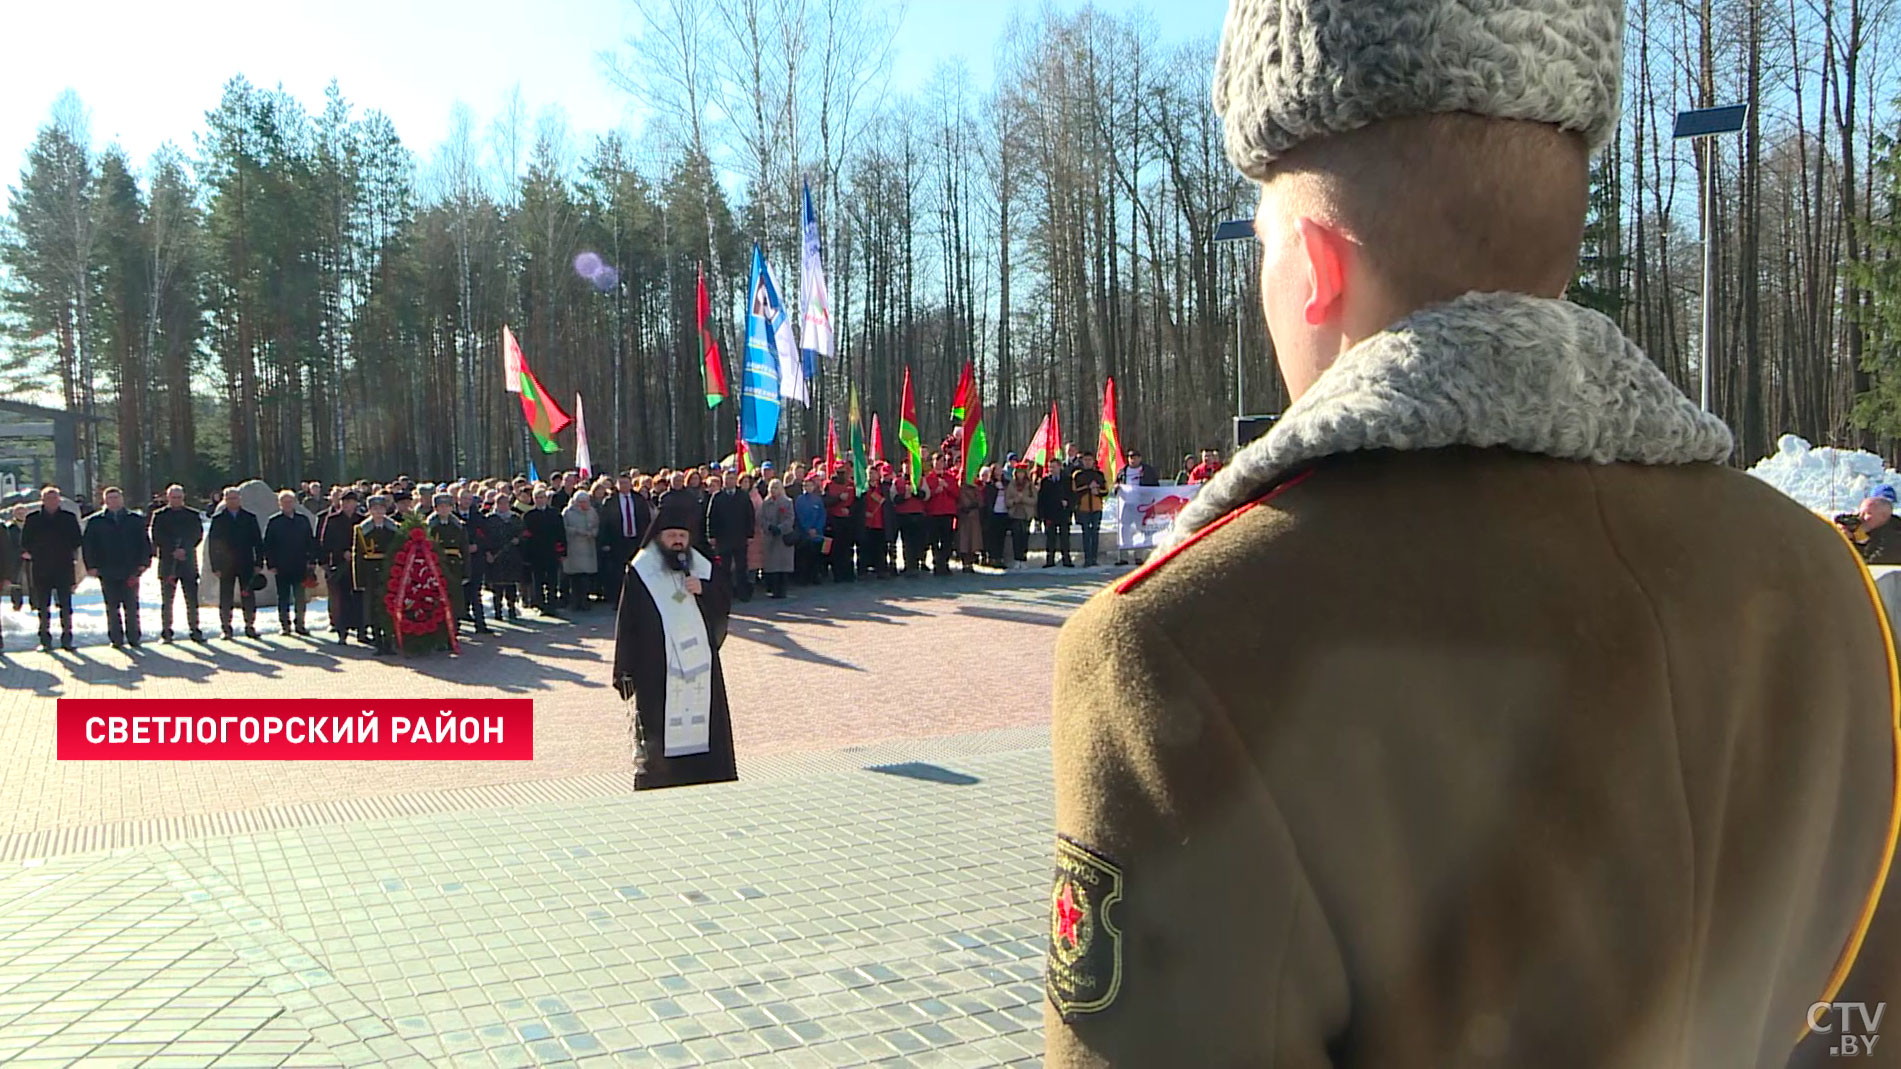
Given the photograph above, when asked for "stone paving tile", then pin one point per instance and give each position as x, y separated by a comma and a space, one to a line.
843, 919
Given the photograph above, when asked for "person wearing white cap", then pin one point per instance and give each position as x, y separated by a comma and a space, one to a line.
1541, 775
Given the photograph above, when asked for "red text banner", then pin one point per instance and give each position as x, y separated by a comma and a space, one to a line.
314, 729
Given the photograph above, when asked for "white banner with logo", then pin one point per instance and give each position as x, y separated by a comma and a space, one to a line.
1140, 513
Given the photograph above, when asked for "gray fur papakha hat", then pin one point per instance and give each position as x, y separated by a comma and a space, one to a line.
1292, 70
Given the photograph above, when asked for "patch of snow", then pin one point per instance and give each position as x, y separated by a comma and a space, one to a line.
1826, 480
89, 614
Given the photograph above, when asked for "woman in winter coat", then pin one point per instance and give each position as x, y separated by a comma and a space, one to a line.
1020, 499
970, 515
582, 521
755, 546
776, 522
505, 565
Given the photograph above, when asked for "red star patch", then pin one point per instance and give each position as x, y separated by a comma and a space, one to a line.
1068, 914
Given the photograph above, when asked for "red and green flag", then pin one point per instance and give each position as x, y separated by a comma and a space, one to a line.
1109, 442
966, 392
545, 418
1040, 448
715, 373
907, 429
860, 471
742, 453
976, 443
1056, 435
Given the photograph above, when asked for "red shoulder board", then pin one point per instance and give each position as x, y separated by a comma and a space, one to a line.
1155, 561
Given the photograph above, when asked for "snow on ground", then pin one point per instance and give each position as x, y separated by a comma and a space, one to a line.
89, 615
1827, 480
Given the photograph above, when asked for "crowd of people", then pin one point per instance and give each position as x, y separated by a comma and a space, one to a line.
554, 546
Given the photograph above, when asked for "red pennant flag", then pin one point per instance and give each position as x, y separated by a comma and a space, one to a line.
877, 439
831, 447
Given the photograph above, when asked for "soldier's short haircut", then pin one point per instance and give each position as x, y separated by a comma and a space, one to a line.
175, 486
110, 490
1445, 204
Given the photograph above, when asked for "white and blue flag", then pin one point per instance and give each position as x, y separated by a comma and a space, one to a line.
815, 303
769, 349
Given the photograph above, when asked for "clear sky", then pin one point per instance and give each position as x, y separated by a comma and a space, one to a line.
149, 71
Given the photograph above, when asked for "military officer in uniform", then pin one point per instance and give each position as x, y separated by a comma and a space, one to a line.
452, 548
336, 537
370, 558
1569, 782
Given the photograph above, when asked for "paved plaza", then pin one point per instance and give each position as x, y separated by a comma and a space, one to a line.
868, 893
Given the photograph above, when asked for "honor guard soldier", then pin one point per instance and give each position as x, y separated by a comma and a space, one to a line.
452, 546
1561, 780
375, 542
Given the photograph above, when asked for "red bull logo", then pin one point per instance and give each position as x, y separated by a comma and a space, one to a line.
1163, 510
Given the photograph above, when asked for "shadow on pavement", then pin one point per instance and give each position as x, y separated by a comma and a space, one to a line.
1015, 616
929, 773
768, 635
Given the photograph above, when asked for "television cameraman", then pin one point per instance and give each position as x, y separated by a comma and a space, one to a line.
1872, 530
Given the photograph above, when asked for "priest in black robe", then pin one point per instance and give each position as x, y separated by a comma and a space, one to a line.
672, 621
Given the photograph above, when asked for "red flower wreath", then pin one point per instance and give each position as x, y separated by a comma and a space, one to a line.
417, 598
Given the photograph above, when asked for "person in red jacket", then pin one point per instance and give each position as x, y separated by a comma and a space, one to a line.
940, 512
909, 504
871, 540
1210, 463
840, 497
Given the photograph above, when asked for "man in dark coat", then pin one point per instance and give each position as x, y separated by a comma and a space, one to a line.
336, 537
175, 531
236, 549
117, 551
290, 548
1873, 530
504, 568
624, 519
673, 612
479, 535
729, 524
9, 561
452, 555
48, 542
544, 535
12, 522
1138, 472
1053, 510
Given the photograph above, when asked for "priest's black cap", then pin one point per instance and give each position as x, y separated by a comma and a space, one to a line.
676, 514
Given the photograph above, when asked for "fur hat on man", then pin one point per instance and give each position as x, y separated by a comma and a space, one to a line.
1292, 70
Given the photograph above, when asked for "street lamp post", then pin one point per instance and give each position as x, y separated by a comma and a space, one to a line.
1227, 232
1700, 125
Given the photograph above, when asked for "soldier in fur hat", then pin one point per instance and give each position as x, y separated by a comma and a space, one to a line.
1568, 781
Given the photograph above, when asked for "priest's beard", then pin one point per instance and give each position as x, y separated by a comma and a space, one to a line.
678, 559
